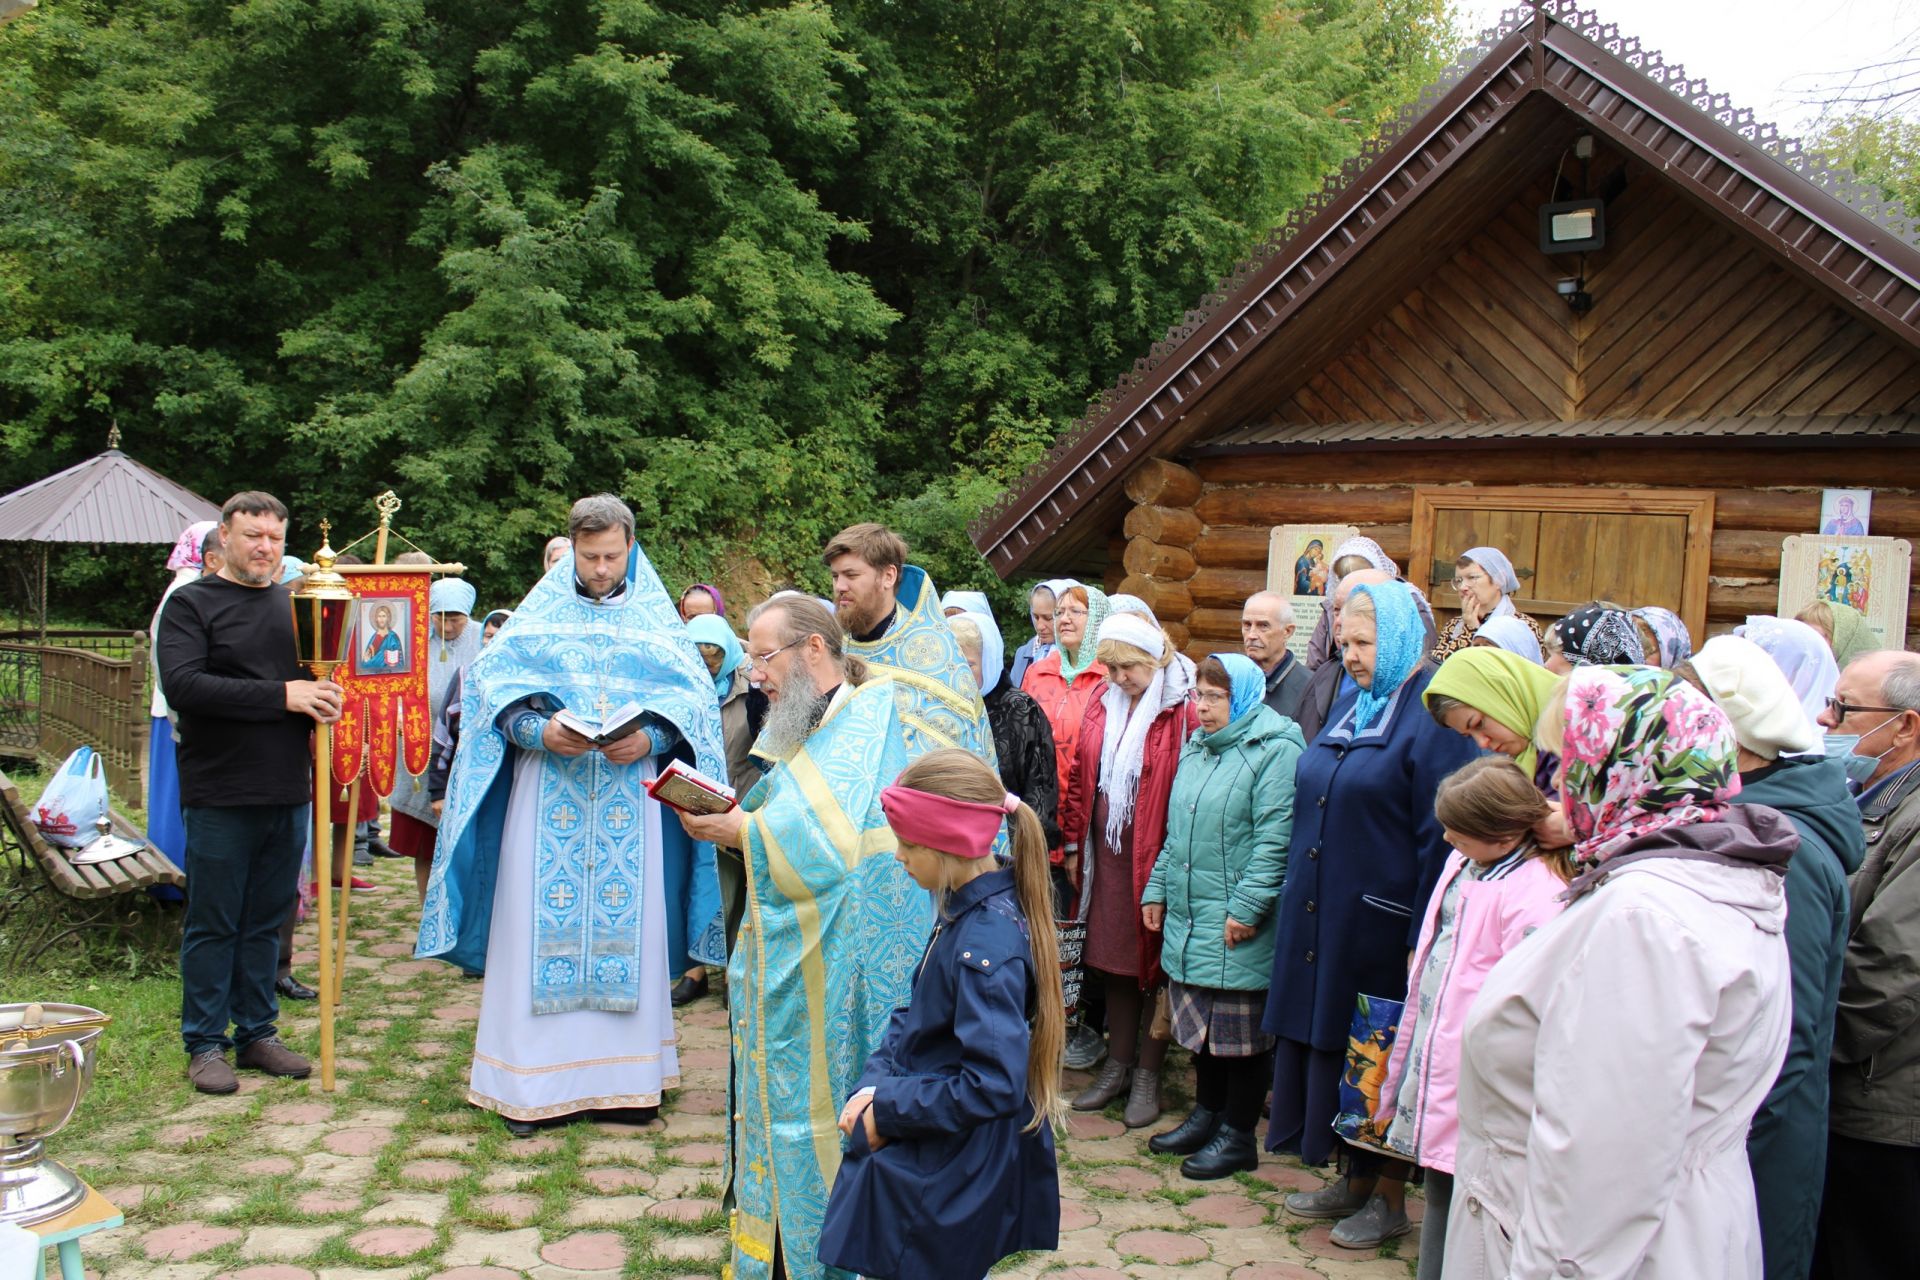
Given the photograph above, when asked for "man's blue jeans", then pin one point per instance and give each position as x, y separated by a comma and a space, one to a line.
243, 873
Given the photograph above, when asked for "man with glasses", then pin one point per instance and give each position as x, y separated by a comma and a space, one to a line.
553, 866
1870, 1215
830, 928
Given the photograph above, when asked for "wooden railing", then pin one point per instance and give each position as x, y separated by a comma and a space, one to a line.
79, 687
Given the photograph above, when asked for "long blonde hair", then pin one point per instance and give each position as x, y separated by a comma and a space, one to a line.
961, 775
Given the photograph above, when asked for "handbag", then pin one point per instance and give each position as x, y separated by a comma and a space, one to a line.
1072, 937
1362, 1119
74, 801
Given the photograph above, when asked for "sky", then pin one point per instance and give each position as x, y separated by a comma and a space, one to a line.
1769, 55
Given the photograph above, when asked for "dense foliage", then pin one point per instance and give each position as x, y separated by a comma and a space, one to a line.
763, 268
1882, 150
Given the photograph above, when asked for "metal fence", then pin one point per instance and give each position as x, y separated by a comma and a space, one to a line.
78, 687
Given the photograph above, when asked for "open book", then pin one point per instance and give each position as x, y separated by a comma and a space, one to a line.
623, 722
683, 787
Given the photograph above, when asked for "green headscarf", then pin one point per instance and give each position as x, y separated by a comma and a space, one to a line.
1072, 664
1499, 684
1851, 634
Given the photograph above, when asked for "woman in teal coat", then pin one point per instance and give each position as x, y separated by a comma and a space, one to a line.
1212, 891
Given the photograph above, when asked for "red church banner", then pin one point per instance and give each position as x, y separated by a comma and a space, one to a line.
385, 717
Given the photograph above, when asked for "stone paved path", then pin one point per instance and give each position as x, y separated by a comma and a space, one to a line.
393, 1176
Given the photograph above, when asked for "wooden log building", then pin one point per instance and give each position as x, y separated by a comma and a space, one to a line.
1412, 354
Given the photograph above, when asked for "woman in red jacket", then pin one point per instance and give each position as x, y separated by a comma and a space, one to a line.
1070, 677
1114, 808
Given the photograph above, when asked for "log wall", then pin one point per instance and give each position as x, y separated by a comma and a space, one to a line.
1761, 497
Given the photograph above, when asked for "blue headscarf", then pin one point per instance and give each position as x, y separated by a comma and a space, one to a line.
1249, 683
712, 628
1401, 643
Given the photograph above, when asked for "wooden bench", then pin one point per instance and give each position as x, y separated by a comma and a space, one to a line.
137, 871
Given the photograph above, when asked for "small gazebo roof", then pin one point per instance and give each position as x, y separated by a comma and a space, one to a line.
107, 498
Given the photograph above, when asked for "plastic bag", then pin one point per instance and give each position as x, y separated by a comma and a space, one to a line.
1363, 1119
74, 800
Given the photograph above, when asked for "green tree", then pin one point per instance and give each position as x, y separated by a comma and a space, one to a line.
1881, 150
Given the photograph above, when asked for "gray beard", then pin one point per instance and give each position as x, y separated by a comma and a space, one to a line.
792, 716
240, 574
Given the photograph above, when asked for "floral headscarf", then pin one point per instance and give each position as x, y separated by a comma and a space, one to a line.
186, 551
1366, 548
1643, 750
1599, 636
1400, 645
1676, 642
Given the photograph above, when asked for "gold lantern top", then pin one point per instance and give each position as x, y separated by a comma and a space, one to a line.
323, 612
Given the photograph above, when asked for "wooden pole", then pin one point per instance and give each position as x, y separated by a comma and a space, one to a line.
323, 877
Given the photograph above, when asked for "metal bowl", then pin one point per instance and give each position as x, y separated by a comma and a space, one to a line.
44, 1072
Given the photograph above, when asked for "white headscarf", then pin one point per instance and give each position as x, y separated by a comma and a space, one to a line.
1499, 571
1801, 655
966, 602
1123, 749
993, 650
1130, 604
1511, 634
1766, 713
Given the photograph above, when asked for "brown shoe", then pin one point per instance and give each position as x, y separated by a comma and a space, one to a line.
1143, 1103
1108, 1085
274, 1058
209, 1072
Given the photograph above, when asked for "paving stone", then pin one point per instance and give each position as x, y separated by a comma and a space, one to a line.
615, 1179
689, 1248
298, 1112
429, 1048
707, 1153
392, 1242
1185, 1271
681, 1210
476, 1273
1274, 1271
703, 1059
699, 1102
1140, 1212
271, 1271
266, 1167
597, 1211
514, 1208
472, 1247
457, 1013
186, 1240
434, 1172
1088, 1273
1165, 1247
1082, 1125
1288, 1177
409, 1208
442, 1144
293, 1138
325, 1169
676, 1183
1126, 1179
506, 1179
130, 1195
1225, 1210
1075, 1215
328, 1202
528, 1148
357, 1142
587, 1251
681, 1125
182, 1135
285, 1242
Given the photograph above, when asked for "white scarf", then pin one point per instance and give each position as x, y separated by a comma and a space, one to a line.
1123, 749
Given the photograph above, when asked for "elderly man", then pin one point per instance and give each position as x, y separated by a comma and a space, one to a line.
551, 872
1266, 624
1870, 1217
232, 674
831, 933
891, 614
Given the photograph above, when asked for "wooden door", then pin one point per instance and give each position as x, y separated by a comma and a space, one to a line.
1568, 546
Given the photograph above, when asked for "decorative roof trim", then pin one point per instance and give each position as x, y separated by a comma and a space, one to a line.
1354, 204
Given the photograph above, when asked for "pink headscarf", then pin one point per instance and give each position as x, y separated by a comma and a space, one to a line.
186, 551
959, 827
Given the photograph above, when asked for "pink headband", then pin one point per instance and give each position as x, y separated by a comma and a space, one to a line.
959, 827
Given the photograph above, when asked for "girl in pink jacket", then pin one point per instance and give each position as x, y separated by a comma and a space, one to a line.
1498, 887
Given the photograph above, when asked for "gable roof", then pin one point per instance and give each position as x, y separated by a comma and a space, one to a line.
1506, 106
107, 498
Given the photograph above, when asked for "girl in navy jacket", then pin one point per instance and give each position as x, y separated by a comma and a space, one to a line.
949, 1162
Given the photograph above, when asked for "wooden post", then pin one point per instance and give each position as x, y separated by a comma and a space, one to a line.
323, 876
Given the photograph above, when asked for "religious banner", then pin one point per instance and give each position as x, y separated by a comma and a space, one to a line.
385, 712
1870, 574
1299, 561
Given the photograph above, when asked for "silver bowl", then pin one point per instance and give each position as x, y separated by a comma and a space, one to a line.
46, 1064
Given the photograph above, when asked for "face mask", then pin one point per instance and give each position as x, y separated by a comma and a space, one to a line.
1859, 768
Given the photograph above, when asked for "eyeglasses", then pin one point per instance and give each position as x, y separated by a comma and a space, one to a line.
1071, 611
1466, 581
1214, 697
1841, 710
765, 658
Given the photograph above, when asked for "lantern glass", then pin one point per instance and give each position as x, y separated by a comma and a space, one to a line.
321, 627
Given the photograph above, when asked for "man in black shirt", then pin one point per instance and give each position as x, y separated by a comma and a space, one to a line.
229, 664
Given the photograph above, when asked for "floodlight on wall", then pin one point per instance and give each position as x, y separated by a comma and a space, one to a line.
1573, 226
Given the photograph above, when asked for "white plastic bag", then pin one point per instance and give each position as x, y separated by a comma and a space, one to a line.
73, 802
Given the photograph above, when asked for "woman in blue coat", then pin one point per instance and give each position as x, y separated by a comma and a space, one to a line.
949, 1161
1365, 853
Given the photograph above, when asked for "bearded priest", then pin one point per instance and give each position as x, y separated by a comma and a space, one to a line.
552, 859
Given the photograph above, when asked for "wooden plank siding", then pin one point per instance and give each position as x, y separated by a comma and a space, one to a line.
1689, 320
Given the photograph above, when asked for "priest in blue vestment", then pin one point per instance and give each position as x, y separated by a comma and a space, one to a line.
552, 864
831, 927
891, 613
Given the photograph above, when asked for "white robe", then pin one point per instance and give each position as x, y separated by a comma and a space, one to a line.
537, 1067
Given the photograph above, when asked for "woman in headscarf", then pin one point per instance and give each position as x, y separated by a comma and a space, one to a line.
1843, 627
1066, 680
491, 626
1612, 1065
701, 599
1486, 583
1022, 738
1787, 1145
1663, 636
705, 932
1495, 698
1511, 634
955, 603
1121, 603
1802, 656
1350, 556
1041, 602
1597, 634
166, 828
452, 642
1114, 807
1211, 898
1365, 853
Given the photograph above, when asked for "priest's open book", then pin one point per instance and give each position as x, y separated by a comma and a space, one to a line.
683, 787
622, 722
